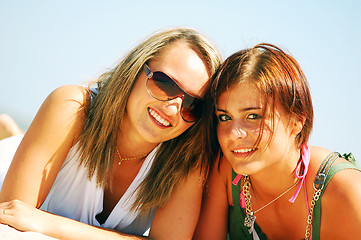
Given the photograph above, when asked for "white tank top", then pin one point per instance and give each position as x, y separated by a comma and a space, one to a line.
74, 196
8, 147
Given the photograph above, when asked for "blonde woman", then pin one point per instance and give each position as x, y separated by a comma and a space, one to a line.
121, 157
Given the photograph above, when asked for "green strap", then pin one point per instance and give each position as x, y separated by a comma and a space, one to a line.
236, 228
316, 224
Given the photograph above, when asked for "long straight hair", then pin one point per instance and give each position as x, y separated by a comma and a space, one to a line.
105, 113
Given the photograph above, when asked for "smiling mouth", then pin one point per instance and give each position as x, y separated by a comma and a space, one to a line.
161, 121
244, 150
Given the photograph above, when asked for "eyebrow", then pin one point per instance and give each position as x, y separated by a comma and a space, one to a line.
241, 110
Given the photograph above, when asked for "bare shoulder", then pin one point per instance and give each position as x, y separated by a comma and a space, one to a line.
213, 219
178, 217
45, 145
59, 120
224, 170
64, 107
318, 154
226, 178
345, 185
69, 100
75, 93
220, 178
341, 209
344, 181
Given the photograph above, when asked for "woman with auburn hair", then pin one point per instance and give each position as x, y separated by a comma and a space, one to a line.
121, 155
267, 183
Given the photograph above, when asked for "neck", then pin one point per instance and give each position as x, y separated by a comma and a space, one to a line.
130, 146
277, 178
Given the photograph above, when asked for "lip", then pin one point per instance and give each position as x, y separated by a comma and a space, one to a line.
243, 152
159, 119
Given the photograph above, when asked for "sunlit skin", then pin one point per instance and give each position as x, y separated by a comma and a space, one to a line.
40, 155
184, 66
240, 111
271, 165
263, 117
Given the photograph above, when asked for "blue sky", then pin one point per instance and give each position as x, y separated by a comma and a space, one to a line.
45, 44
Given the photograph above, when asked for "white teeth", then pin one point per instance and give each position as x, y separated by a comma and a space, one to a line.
159, 118
243, 150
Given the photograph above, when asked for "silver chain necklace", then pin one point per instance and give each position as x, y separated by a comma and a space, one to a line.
250, 215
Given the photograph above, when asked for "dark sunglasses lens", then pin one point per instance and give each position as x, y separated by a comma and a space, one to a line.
162, 87
191, 109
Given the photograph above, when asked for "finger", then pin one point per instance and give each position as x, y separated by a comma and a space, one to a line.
5, 205
5, 212
4, 216
6, 208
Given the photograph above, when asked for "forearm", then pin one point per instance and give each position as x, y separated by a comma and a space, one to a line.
26, 218
64, 229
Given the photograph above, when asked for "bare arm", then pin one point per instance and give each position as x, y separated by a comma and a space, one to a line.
8, 127
46, 144
341, 206
44, 147
178, 218
27, 218
53, 132
213, 219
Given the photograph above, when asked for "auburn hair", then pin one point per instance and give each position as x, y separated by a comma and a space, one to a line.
278, 77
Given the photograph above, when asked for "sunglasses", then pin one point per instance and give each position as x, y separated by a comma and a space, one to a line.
161, 87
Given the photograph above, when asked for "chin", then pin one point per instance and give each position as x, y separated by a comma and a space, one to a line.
245, 168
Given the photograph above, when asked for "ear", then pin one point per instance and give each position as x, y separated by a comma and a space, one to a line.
297, 125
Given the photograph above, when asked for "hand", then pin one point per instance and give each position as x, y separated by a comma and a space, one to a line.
22, 216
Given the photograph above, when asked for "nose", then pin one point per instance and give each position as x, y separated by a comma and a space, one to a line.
237, 132
172, 107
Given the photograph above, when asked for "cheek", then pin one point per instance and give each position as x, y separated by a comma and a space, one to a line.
266, 134
136, 93
280, 141
182, 127
221, 135
266, 137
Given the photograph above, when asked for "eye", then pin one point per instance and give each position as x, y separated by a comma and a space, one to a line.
253, 116
224, 117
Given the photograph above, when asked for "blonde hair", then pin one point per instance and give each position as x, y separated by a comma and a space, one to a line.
176, 157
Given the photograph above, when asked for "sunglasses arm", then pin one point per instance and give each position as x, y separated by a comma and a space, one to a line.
147, 71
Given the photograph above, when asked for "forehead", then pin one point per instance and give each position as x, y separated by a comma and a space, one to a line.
240, 95
246, 96
184, 65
